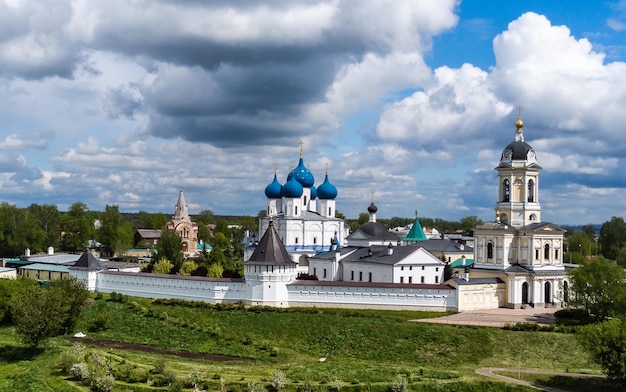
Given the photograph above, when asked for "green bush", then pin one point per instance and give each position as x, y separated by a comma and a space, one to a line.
100, 323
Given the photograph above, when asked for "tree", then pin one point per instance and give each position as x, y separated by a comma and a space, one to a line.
37, 315
48, 218
110, 234
599, 287
205, 217
590, 232
146, 220
579, 242
215, 271
78, 228
612, 237
469, 223
187, 267
204, 233
606, 342
18, 231
163, 266
74, 294
40, 313
170, 247
8, 289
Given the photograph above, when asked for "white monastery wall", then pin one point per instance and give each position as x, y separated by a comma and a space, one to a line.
189, 288
372, 297
295, 294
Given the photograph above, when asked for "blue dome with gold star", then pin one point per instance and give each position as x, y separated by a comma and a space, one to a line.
303, 175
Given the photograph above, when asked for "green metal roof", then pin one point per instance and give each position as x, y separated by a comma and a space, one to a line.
458, 263
47, 267
416, 233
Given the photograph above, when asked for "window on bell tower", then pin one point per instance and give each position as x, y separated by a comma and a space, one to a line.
489, 250
506, 190
546, 252
531, 191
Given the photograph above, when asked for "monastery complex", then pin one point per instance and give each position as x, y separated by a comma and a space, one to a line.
516, 260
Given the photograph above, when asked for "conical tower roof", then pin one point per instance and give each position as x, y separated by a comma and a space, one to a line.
181, 211
416, 233
270, 250
88, 261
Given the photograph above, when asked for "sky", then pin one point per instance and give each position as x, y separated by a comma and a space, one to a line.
123, 102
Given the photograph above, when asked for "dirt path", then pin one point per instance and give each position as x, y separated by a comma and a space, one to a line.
489, 372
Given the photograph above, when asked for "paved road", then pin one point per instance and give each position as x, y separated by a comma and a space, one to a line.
497, 317
489, 372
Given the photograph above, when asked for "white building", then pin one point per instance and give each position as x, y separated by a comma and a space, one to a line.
517, 248
303, 215
517, 259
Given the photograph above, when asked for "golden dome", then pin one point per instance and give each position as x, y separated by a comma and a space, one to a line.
519, 124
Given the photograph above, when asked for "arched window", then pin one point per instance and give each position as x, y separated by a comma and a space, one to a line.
330, 211
532, 217
546, 252
506, 190
531, 191
295, 210
489, 250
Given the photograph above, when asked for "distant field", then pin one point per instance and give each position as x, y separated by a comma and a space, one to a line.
315, 349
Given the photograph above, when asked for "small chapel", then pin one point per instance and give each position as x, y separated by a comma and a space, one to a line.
182, 224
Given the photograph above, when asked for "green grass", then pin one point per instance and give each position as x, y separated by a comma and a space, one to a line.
364, 349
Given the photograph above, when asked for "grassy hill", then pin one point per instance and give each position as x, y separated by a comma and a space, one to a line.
315, 349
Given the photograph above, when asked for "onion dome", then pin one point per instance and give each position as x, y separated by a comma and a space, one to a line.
292, 188
518, 150
326, 190
313, 193
372, 208
303, 175
274, 190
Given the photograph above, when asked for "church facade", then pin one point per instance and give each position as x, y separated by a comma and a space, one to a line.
303, 215
517, 248
184, 227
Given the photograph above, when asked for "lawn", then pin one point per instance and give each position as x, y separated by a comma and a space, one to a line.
315, 349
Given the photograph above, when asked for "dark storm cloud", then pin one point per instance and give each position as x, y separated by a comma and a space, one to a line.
226, 131
33, 44
121, 101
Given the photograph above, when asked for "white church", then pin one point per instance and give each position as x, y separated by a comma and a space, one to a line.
517, 258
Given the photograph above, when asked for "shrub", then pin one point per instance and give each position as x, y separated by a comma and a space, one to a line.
278, 381
100, 323
79, 371
102, 384
400, 384
119, 297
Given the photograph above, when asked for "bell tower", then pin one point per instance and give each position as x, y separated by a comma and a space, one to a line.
518, 177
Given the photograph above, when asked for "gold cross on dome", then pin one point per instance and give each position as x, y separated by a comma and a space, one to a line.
301, 144
519, 111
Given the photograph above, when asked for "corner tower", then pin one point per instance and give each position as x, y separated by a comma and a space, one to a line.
518, 177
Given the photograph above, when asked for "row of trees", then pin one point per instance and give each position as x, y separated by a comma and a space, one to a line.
38, 227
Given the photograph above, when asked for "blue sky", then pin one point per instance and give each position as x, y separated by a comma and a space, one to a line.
123, 102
